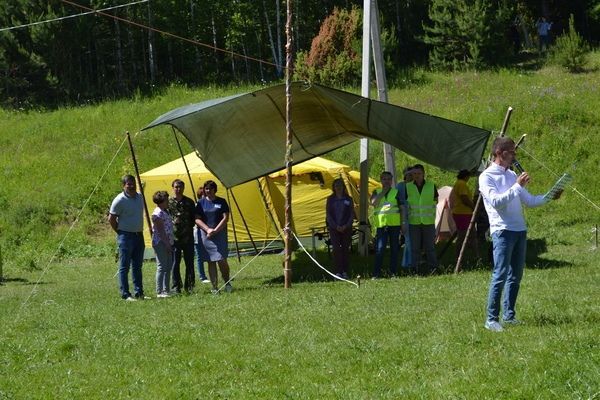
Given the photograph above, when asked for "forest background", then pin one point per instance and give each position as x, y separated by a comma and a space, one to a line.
93, 57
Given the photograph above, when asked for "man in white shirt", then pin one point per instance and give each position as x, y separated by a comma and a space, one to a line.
503, 192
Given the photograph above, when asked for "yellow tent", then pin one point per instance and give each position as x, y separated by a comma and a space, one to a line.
257, 207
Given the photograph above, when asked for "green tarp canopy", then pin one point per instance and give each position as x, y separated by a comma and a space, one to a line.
243, 137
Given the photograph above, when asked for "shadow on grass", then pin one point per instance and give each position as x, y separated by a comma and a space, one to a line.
305, 270
21, 280
533, 260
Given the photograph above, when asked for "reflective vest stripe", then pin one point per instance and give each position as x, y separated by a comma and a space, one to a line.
388, 212
422, 205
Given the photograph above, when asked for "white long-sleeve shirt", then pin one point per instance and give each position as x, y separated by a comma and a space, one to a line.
502, 197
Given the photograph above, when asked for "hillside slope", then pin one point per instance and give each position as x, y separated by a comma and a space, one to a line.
61, 165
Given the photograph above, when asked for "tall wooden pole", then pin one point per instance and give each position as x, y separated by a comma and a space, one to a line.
287, 264
458, 267
139, 182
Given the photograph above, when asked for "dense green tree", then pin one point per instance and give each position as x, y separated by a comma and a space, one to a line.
94, 56
467, 33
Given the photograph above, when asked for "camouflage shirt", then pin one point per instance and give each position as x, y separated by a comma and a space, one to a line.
183, 213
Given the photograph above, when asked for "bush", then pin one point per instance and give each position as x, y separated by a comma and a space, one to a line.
570, 50
335, 53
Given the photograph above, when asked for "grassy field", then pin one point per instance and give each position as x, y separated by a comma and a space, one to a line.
66, 334
71, 336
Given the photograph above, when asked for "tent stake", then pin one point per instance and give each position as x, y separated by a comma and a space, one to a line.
139, 181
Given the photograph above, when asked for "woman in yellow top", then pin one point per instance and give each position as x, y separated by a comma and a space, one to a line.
462, 210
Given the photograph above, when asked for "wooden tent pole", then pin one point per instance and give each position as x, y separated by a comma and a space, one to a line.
139, 182
458, 267
187, 170
287, 264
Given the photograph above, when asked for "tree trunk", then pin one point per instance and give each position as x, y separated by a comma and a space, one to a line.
119, 56
151, 55
197, 58
246, 62
278, 66
260, 64
214, 36
279, 49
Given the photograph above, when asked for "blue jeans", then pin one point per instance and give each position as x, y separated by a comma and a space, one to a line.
509, 260
199, 262
381, 239
164, 263
131, 253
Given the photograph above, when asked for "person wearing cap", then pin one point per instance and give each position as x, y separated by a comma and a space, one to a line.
126, 218
401, 187
387, 219
422, 196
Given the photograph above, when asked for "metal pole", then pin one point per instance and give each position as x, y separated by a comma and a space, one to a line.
380, 77
139, 181
243, 220
287, 264
458, 268
237, 247
187, 170
363, 226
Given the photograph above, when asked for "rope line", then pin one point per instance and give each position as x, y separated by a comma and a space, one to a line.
195, 42
71, 16
248, 263
60, 245
558, 175
319, 265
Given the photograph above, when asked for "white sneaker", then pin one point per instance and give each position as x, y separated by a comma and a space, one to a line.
493, 326
205, 280
228, 288
163, 295
512, 321
130, 298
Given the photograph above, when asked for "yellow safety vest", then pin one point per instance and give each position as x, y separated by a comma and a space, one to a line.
421, 206
387, 213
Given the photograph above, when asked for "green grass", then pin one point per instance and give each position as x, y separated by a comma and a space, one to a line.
71, 337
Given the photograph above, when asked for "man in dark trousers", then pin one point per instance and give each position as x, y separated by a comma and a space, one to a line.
422, 197
182, 210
